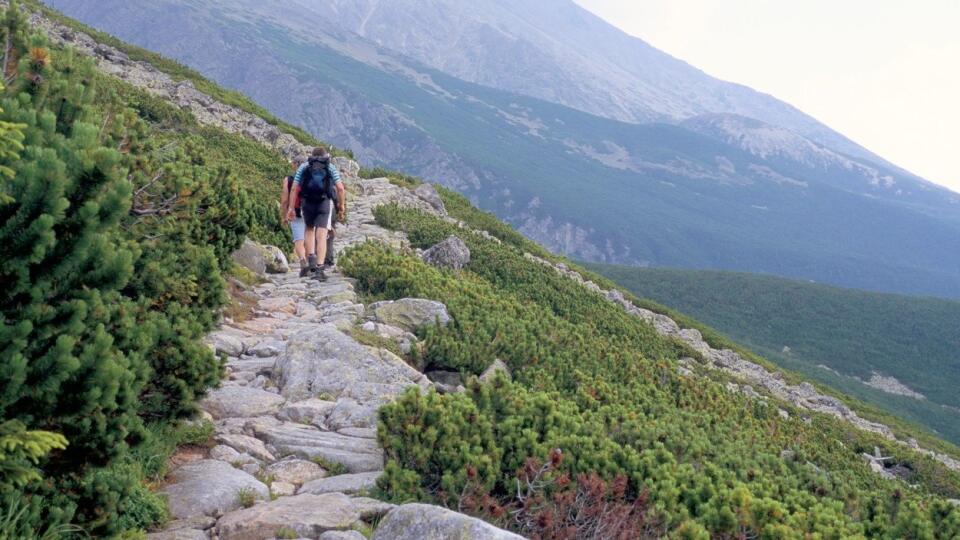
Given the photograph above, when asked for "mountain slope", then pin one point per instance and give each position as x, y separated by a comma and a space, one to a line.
559, 52
900, 353
659, 435
659, 195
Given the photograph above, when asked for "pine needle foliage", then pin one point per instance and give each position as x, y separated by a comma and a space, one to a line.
603, 388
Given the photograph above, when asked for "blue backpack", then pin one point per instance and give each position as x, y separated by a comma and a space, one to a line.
316, 183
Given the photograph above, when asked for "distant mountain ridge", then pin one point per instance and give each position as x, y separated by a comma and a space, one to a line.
680, 193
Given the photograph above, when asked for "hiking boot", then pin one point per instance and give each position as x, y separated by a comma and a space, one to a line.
304, 268
319, 274
311, 267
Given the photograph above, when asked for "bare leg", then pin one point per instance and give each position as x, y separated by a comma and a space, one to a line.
310, 240
321, 244
299, 250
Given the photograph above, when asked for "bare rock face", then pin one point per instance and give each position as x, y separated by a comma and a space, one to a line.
323, 361
239, 402
429, 194
498, 366
409, 314
344, 483
261, 259
210, 488
308, 515
425, 522
347, 167
452, 253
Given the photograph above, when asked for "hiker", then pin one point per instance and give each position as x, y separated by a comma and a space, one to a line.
297, 227
322, 196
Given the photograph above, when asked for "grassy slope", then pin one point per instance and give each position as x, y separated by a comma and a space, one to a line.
853, 332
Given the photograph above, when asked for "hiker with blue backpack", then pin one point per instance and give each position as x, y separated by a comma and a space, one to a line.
322, 196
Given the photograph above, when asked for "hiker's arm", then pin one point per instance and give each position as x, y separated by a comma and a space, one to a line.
341, 196
284, 199
292, 203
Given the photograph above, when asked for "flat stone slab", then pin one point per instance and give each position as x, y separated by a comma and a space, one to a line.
254, 365
295, 471
409, 314
246, 445
179, 534
241, 401
324, 361
289, 439
309, 411
344, 483
307, 515
209, 487
426, 522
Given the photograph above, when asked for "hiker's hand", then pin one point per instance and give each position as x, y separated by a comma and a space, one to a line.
342, 213
290, 215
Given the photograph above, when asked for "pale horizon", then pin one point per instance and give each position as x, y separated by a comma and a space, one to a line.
881, 72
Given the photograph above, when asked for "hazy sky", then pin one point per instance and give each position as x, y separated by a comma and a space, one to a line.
885, 73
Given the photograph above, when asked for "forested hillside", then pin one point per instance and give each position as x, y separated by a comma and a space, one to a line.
118, 215
851, 340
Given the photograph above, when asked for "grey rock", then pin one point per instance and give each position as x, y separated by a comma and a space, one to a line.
425, 522
238, 401
409, 314
247, 445
308, 411
363, 433
429, 194
179, 534
356, 454
371, 509
295, 471
342, 535
209, 487
449, 378
348, 413
224, 343
196, 522
308, 515
251, 256
325, 362
343, 483
347, 167
224, 453
276, 261
266, 349
283, 489
452, 253
252, 468
498, 366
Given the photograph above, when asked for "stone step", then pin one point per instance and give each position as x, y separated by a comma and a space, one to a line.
290, 439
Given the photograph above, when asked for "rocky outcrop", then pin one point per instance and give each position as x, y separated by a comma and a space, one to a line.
497, 367
307, 515
261, 259
209, 488
425, 522
452, 253
409, 314
429, 194
323, 361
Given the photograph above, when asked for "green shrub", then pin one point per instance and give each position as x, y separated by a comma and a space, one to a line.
602, 387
